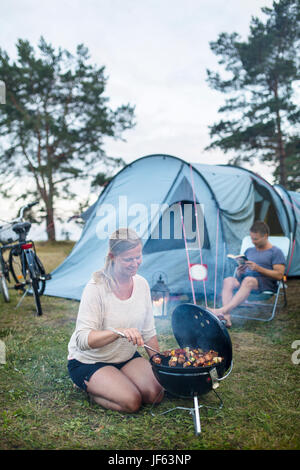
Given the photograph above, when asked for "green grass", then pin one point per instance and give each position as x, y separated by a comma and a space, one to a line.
40, 409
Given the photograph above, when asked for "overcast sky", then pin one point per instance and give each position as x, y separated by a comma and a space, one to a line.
156, 53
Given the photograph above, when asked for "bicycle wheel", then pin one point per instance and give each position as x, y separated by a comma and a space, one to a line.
40, 274
36, 295
4, 288
20, 271
37, 277
15, 266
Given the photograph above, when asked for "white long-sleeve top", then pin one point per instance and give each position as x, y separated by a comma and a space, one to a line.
101, 309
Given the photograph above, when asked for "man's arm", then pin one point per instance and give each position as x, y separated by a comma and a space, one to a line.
276, 273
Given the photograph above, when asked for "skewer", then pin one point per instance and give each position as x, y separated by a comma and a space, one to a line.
124, 336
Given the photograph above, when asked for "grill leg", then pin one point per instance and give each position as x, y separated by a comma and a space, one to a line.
196, 416
193, 411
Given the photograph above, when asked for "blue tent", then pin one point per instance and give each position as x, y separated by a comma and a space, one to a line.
184, 213
291, 200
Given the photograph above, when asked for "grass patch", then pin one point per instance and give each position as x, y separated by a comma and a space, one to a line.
40, 409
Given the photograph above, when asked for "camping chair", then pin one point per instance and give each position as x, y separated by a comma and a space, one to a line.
257, 300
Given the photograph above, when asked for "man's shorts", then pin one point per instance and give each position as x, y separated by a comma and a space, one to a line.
263, 283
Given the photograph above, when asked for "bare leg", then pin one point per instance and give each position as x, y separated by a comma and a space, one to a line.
111, 388
230, 283
139, 371
248, 284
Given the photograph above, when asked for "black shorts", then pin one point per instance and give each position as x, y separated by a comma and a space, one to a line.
80, 371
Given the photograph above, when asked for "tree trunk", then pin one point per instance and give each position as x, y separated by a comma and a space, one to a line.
281, 152
50, 228
281, 149
282, 169
49, 205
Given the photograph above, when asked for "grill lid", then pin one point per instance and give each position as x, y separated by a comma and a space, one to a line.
194, 326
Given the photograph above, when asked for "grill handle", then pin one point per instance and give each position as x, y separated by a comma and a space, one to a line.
225, 376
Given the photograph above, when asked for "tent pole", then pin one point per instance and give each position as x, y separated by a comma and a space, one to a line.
187, 253
198, 233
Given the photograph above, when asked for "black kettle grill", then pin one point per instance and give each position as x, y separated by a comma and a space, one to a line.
195, 327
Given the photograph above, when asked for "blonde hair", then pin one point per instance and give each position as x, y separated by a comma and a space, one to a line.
121, 240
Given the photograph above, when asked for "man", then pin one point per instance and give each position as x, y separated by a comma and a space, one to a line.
265, 266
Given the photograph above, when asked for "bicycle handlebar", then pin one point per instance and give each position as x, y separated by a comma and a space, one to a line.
25, 208
32, 204
21, 212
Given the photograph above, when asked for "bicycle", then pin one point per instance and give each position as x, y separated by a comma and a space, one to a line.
3, 283
23, 263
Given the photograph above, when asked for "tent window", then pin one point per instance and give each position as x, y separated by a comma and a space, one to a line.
167, 233
273, 222
265, 210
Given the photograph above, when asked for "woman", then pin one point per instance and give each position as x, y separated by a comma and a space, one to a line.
116, 299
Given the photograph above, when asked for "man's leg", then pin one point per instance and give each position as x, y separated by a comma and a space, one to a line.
248, 284
229, 284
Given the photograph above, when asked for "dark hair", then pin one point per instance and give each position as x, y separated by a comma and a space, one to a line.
260, 227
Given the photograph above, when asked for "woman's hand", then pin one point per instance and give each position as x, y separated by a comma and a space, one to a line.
133, 335
154, 344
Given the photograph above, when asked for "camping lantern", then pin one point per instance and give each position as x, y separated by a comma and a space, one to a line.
160, 297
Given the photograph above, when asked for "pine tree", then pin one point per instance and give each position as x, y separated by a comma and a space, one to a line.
261, 113
54, 121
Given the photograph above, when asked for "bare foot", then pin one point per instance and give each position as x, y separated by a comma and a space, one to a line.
219, 312
228, 320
